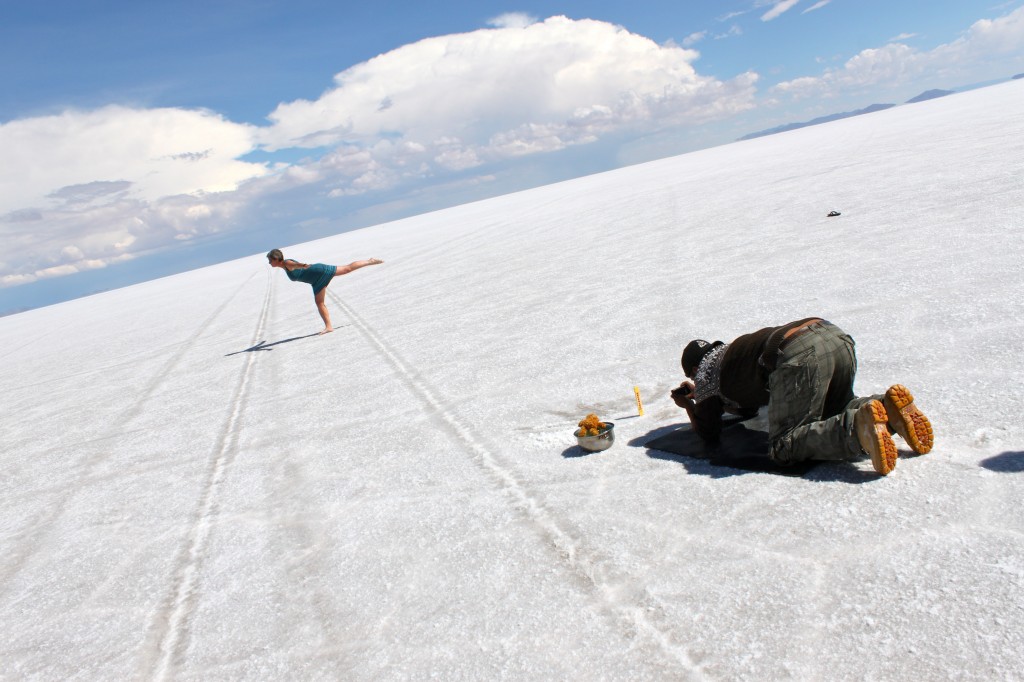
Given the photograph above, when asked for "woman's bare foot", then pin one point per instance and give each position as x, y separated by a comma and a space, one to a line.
375, 261
326, 330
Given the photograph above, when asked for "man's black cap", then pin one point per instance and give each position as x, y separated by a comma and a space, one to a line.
694, 353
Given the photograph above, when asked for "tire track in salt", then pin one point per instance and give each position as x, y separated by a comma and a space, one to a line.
305, 534
632, 604
168, 635
44, 524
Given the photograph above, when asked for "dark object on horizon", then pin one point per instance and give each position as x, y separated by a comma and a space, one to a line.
1018, 77
833, 214
930, 94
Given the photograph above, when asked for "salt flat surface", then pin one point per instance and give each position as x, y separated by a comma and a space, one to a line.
194, 488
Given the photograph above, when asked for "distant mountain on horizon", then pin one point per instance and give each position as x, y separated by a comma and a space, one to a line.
924, 96
929, 94
816, 121
1018, 76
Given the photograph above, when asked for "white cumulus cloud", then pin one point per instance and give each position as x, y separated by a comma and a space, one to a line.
998, 36
149, 153
86, 188
112, 181
986, 41
466, 99
512, 20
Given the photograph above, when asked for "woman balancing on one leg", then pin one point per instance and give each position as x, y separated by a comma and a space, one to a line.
317, 275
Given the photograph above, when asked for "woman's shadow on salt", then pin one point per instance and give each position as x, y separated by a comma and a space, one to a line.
263, 345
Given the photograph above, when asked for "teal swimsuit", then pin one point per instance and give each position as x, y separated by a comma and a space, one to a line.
317, 275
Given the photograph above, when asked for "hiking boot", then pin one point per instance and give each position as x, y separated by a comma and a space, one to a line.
908, 421
871, 425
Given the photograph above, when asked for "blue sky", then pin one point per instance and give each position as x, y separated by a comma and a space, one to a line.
142, 139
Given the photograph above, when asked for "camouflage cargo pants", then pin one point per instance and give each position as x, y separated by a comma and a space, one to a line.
811, 405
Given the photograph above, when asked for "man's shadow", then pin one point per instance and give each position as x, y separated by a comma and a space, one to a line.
747, 456
263, 345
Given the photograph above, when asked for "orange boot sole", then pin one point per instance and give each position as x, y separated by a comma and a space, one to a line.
908, 421
871, 424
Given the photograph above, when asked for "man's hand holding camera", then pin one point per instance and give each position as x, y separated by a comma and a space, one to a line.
683, 396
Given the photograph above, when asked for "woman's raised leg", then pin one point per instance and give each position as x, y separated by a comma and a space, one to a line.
355, 265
